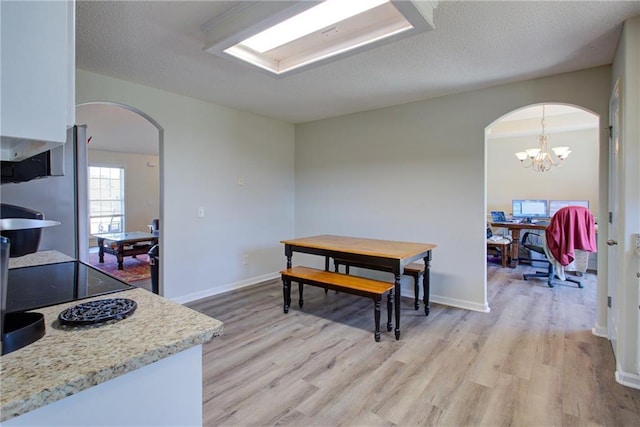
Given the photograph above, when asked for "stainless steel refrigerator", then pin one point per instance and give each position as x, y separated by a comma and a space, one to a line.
62, 198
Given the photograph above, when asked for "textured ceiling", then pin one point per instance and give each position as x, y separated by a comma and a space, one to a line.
474, 45
113, 128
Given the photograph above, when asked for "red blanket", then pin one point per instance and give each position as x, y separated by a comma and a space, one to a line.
571, 228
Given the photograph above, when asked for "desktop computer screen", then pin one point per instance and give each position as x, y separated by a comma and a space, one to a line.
529, 208
556, 205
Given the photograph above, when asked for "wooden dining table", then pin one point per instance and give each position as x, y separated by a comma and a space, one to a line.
382, 255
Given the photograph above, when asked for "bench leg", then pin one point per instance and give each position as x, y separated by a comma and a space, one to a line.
300, 288
390, 310
286, 293
376, 316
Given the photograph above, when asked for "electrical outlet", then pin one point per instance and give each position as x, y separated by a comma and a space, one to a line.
636, 243
245, 259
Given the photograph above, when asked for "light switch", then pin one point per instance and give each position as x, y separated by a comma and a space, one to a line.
201, 212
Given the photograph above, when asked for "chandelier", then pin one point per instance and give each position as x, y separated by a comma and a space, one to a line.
540, 159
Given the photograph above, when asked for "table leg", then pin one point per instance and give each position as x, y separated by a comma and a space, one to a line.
390, 311
376, 316
426, 283
120, 257
398, 297
288, 253
101, 250
515, 243
416, 290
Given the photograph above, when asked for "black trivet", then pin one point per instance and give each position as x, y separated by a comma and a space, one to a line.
100, 311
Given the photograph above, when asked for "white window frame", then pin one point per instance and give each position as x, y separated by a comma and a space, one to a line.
109, 222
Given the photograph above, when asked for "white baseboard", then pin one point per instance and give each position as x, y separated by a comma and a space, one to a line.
453, 302
225, 288
628, 379
600, 331
406, 293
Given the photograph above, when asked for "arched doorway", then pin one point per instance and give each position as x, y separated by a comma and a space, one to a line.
577, 179
126, 145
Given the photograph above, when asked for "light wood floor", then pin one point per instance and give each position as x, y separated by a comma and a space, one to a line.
531, 361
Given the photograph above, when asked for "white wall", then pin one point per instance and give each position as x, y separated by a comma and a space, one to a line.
576, 179
417, 172
627, 69
206, 149
142, 185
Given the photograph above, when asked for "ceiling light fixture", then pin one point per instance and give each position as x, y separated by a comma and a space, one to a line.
282, 37
539, 159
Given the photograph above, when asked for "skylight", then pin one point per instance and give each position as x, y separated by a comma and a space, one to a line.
315, 34
318, 17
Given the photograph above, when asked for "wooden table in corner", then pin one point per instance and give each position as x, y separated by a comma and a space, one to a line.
382, 255
125, 244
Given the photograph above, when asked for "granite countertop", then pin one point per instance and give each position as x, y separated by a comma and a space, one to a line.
39, 258
68, 360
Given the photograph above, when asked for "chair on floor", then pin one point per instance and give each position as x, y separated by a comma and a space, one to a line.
500, 246
566, 244
154, 227
529, 243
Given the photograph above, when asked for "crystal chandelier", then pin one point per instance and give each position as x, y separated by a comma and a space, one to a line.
539, 158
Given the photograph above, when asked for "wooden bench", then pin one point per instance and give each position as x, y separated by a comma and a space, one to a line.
415, 270
340, 282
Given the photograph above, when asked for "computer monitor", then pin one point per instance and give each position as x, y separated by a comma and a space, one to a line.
529, 208
556, 205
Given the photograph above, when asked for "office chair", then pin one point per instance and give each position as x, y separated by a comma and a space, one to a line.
571, 229
551, 270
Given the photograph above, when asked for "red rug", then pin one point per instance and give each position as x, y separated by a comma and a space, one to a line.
135, 269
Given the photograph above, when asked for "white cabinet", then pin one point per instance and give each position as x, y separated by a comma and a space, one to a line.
37, 76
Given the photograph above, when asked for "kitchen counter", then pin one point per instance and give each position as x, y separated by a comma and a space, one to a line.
67, 361
39, 258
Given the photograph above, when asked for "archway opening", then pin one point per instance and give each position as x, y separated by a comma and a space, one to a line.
574, 180
125, 181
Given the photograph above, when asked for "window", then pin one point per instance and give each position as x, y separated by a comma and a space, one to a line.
106, 200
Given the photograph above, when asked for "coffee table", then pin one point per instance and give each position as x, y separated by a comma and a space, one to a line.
125, 244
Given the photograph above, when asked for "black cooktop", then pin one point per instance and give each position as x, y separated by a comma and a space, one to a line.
30, 288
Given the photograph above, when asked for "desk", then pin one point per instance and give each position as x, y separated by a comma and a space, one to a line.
514, 228
125, 244
383, 255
